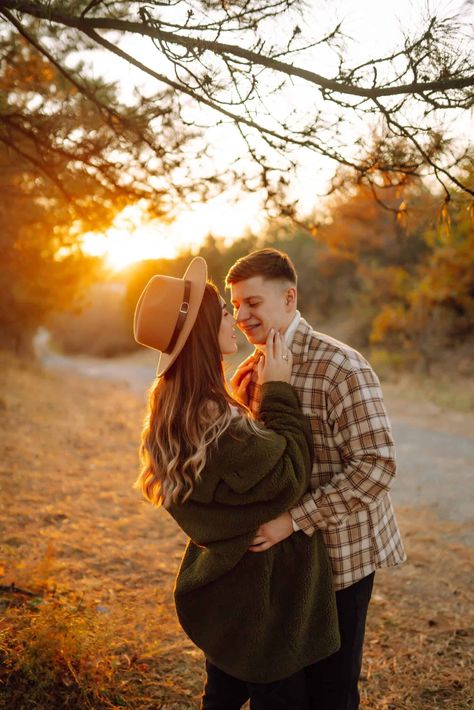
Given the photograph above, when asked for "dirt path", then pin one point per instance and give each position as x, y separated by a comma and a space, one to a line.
435, 448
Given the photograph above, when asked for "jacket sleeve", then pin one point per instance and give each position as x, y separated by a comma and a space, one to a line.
281, 457
363, 436
250, 479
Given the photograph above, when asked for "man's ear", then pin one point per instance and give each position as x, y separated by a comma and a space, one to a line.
290, 296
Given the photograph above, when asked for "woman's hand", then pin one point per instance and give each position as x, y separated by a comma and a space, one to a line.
277, 362
241, 378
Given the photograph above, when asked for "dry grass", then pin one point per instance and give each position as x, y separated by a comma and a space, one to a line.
99, 630
419, 648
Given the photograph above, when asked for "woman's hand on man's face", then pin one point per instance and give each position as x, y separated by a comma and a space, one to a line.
277, 362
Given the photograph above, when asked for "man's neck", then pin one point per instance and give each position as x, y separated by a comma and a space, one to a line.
296, 315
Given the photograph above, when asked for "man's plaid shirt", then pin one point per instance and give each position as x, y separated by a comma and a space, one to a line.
354, 456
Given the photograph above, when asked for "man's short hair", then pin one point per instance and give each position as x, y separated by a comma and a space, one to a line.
268, 263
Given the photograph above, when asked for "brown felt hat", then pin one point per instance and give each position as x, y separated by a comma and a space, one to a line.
167, 310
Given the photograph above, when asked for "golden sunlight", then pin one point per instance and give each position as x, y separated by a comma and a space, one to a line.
119, 249
132, 237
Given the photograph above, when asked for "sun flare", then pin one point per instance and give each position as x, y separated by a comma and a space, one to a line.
120, 250
132, 237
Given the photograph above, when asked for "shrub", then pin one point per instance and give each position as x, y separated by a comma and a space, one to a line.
55, 653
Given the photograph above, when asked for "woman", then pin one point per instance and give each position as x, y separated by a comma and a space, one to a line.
260, 619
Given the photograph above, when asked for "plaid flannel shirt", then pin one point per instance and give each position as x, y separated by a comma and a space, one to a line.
354, 456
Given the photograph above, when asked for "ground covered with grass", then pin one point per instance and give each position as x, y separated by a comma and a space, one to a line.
87, 571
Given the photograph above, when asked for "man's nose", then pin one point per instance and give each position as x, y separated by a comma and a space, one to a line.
239, 314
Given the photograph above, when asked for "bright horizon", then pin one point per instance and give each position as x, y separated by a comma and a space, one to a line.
133, 237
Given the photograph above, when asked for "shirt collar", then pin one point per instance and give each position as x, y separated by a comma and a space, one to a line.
291, 330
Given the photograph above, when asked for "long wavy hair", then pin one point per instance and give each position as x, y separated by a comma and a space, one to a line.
189, 408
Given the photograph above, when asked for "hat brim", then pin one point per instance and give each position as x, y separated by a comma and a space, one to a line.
196, 273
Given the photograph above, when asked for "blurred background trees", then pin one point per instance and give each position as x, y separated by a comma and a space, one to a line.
71, 157
389, 254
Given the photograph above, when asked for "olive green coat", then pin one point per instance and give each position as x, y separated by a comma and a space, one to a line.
258, 616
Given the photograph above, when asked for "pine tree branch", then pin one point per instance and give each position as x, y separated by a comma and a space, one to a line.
87, 25
305, 143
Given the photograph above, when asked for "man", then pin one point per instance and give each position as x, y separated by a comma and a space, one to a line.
354, 459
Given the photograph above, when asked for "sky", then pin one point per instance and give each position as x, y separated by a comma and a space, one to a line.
373, 27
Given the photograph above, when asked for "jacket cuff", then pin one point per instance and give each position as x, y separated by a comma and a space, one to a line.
307, 516
279, 389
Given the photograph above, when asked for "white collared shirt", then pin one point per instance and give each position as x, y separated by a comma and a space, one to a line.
291, 330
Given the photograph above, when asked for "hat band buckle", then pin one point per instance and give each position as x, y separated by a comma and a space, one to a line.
182, 313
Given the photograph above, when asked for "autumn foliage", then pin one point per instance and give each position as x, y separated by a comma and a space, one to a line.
400, 262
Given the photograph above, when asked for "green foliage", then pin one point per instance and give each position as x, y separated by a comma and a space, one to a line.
224, 60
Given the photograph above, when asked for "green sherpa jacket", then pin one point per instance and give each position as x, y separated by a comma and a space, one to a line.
258, 616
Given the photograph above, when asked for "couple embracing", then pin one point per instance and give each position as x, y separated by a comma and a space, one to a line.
281, 482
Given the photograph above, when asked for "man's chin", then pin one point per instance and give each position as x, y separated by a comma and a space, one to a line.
254, 338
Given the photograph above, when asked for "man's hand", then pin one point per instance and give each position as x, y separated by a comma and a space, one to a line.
271, 533
241, 378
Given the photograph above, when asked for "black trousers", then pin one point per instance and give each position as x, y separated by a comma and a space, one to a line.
333, 682
223, 692
330, 684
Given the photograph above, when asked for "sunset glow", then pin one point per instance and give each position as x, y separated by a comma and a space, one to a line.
133, 238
